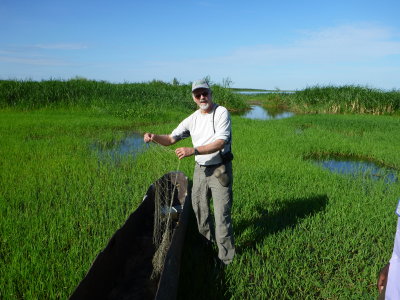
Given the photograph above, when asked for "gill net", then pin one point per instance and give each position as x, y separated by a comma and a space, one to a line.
166, 205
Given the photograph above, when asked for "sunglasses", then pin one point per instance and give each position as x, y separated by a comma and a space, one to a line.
204, 94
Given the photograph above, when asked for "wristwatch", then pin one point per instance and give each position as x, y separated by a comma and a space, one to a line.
196, 152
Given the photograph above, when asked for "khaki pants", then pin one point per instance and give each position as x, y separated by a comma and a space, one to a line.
205, 186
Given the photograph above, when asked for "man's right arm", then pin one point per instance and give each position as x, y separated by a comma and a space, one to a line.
181, 132
163, 139
382, 279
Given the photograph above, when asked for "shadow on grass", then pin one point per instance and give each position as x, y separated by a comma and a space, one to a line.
202, 278
287, 215
201, 274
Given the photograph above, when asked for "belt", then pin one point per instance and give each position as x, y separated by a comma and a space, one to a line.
210, 166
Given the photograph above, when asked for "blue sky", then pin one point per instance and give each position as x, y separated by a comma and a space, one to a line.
257, 44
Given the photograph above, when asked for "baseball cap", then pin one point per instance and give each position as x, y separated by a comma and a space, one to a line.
200, 84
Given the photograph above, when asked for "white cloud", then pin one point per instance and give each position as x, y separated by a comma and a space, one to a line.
342, 44
36, 55
33, 61
350, 43
71, 46
358, 54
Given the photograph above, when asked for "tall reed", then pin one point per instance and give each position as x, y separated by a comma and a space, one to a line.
345, 99
124, 100
333, 99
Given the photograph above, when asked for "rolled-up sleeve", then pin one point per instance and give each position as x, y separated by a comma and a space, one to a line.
182, 131
223, 126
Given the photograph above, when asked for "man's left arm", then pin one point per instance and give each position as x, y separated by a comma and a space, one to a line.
215, 146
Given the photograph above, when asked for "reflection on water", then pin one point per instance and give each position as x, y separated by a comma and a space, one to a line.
258, 112
131, 146
357, 168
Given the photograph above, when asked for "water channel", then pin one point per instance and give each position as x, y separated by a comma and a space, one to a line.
132, 145
357, 168
258, 112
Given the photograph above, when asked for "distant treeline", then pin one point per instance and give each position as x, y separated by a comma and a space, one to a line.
87, 93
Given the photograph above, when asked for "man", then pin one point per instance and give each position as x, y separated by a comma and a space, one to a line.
210, 130
389, 277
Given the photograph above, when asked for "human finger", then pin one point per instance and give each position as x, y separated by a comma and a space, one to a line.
148, 137
382, 279
180, 153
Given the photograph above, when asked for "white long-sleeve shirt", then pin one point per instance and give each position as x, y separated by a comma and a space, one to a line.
393, 283
200, 127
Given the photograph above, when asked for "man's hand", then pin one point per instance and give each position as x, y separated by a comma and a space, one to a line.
383, 276
148, 137
184, 152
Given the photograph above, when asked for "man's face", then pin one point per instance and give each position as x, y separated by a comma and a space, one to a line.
203, 99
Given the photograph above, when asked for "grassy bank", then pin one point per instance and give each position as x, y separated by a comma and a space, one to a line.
301, 231
331, 99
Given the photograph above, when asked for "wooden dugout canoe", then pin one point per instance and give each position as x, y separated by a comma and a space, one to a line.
123, 269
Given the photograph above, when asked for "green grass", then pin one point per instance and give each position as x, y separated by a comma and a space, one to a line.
301, 231
60, 204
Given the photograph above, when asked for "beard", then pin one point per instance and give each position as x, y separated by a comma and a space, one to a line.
204, 106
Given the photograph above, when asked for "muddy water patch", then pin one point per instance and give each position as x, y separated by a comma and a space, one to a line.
357, 167
258, 112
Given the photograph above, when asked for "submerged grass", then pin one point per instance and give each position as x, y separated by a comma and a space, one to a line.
301, 231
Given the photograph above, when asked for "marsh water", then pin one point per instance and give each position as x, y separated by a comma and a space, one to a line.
358, 168
258, 112
130, 146
133, 144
